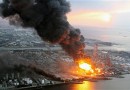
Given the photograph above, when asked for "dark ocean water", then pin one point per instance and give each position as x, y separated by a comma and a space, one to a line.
115, 84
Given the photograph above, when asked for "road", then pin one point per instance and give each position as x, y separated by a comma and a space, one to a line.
29, 48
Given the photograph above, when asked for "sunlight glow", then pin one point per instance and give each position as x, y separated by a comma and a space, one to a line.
90, 18
106, 17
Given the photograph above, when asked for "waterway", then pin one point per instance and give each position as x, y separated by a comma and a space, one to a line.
115, 84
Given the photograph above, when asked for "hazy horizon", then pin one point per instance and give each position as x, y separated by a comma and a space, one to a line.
106, 20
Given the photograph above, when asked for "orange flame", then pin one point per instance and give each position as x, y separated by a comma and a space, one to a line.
85, 66
98, 70
88, 67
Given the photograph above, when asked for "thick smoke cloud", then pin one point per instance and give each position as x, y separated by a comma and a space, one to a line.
53, 69
11, 63
48, 17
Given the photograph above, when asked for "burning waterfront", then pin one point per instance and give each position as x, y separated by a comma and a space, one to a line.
64, 69
85, 66
48, 18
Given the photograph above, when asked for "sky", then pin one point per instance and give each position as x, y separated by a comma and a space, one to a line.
100, 13
106, 20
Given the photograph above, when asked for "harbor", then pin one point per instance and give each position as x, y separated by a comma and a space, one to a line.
27, 79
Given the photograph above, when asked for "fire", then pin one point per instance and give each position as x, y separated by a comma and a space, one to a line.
89, 69
98, 70
85, 66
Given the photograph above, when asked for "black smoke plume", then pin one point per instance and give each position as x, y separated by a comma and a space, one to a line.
48, 17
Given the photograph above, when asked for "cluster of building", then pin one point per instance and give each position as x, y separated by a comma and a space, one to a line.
110, 62
19, 38
17, 80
